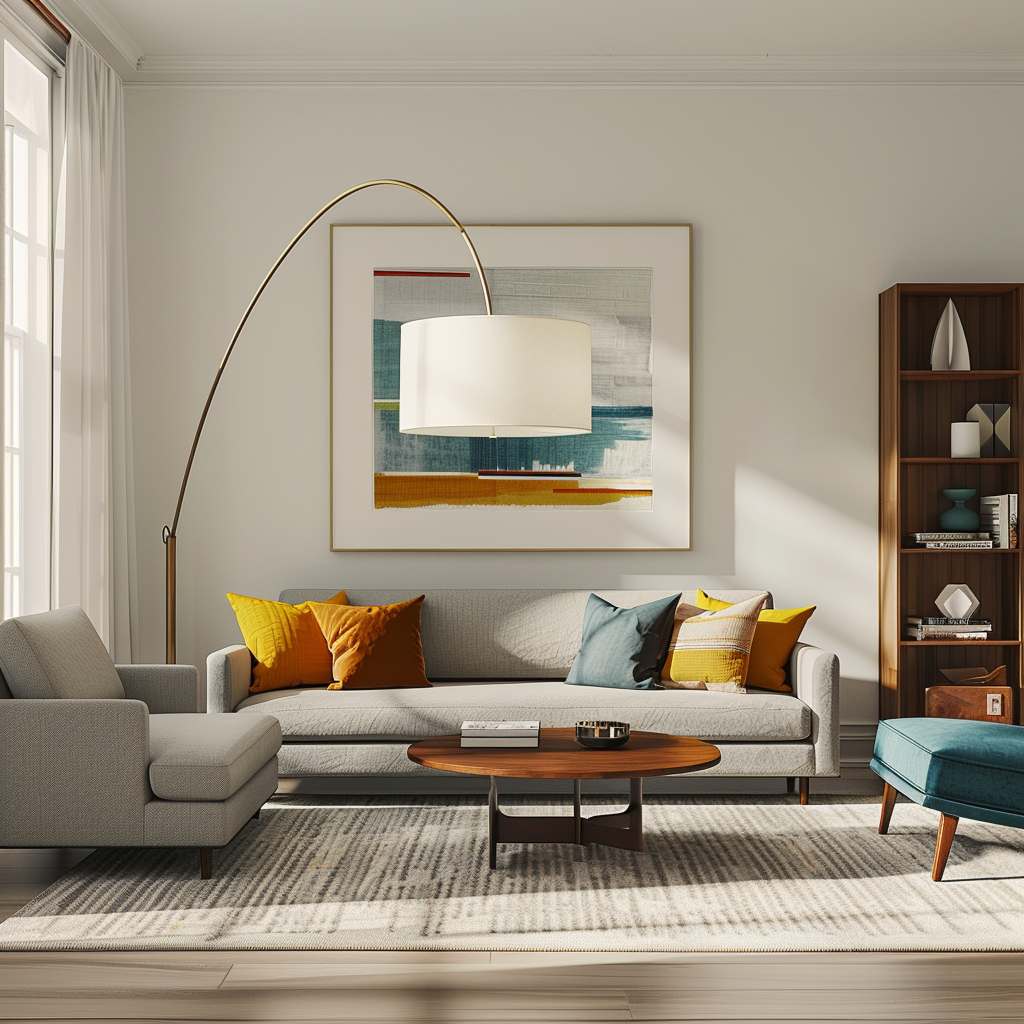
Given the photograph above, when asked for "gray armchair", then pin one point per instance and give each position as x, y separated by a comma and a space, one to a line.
97, 755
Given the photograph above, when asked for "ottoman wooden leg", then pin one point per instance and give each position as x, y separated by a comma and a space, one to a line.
944, 840
888, 803
805, 790
205, 862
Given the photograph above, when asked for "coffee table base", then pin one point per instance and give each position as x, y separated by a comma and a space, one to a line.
623, 830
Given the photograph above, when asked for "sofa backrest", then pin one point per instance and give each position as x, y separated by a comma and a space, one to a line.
57, 654
503, 634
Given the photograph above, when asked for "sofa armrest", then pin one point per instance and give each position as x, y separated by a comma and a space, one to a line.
228, 676
814, 675
75, 772
164, 689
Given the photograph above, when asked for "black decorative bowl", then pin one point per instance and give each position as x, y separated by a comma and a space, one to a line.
602, 735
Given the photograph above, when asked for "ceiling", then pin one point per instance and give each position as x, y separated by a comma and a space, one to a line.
588, 41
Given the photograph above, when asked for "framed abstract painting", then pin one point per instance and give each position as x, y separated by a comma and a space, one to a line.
623, 486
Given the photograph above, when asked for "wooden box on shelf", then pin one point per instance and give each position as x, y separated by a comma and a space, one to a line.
974, 702
916, 407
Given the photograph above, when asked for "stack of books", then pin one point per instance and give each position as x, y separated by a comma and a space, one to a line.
500, 734
941, 628
999, 517
952, 541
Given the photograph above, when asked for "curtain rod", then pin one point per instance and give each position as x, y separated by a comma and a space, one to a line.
51, 19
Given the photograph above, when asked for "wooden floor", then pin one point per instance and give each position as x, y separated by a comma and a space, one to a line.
464, 988
506, 987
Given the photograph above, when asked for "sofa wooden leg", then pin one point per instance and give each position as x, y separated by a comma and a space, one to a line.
256, 815
791, 784
888, 803
805, 790
944, 840
205, 862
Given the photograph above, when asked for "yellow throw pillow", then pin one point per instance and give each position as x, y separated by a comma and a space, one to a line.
778, 630
374, 647
289, 648
711, 651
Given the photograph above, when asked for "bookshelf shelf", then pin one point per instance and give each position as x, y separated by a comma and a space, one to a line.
959, 643
959, 551
930, 461
916, 407
948, 376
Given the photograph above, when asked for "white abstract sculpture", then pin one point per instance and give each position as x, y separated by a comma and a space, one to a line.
957, 601
949, 344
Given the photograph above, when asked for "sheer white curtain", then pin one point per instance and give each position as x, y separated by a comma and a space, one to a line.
94, 514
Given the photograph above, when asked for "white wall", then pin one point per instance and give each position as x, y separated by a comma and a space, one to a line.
806, 203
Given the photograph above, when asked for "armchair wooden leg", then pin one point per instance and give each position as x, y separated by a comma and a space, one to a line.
944, 840
205, 862
805, 790
791, 784
888, 803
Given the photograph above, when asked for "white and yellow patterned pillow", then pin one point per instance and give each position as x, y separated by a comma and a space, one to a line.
711, 651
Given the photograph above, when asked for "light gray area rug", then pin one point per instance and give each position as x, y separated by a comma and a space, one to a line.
724, 874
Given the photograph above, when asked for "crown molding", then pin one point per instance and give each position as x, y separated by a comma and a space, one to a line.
615, 71
92, 20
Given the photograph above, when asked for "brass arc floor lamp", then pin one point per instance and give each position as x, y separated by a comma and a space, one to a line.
459, 376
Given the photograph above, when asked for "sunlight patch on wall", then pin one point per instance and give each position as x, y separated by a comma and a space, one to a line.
808, 552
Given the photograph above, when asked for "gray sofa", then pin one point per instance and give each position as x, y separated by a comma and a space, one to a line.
93, 754
502, 654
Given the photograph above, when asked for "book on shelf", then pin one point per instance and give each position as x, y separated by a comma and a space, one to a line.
949, 634
500, 741
959, 545
936, 628
505, 729
945, 627
934, 631
924, 538
999, 515
942, 620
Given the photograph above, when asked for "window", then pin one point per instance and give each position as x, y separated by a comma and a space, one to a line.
28, 358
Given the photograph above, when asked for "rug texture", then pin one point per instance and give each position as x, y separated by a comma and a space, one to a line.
730, 874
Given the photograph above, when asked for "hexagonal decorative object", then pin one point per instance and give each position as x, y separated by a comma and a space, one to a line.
957, 601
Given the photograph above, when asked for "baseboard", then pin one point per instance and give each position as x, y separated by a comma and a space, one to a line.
38, 866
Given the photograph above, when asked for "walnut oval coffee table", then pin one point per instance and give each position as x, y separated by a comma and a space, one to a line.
559, 756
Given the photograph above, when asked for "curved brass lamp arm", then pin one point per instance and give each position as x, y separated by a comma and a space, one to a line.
170, 532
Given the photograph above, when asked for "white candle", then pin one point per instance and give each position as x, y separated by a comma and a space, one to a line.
965, 440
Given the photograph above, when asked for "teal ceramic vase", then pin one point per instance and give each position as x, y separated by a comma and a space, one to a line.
959, 518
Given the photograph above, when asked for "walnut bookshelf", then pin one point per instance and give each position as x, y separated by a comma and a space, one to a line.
916, 407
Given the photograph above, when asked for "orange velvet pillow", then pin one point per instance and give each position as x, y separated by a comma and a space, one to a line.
374, 647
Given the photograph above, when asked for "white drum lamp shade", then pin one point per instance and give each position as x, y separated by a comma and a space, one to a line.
495, 376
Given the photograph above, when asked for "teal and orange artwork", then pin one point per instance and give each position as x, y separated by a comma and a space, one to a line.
609, 468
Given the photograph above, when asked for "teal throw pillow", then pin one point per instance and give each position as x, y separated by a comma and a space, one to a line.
623, 647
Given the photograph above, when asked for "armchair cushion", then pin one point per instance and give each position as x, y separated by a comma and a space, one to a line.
57, 655
208, 757
966, 768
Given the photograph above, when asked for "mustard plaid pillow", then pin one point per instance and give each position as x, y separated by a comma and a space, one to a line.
711, 651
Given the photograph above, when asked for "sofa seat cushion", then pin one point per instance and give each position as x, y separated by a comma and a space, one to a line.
208, 757
974, 769
402, 715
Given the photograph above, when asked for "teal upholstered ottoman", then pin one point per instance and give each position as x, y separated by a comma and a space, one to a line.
959, 768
